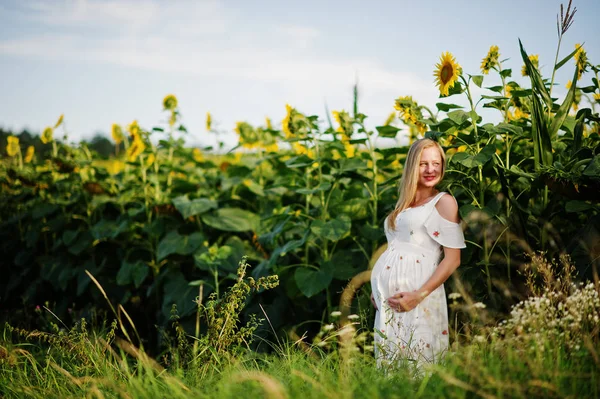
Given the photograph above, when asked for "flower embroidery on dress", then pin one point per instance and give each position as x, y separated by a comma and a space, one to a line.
436, 233
401, 258
418, 261
412, 232
445, 332
387, 267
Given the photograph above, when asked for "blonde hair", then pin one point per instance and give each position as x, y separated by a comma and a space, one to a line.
407, 189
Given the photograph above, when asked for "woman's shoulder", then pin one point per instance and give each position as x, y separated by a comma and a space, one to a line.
447, 207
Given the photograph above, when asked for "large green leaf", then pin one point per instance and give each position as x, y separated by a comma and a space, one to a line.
232, 219
81, 243
447, 107
578, 206
458, 116
175, 243
355, 208
351, 164
135, 273
478, 80
484, 155
332, 229
387, 131
346, 264
312, 281
197, 206
177, 290
593, 168
321, 187
108, 229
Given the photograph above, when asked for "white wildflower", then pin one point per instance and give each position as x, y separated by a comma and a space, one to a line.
454, 295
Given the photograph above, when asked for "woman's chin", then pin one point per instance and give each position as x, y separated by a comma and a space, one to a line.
429, 183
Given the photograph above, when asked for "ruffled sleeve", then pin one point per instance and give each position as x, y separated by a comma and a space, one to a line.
443, 231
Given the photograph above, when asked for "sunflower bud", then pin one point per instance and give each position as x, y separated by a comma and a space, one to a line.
117, 133
12, 146
29, 154
47, 135
170, 102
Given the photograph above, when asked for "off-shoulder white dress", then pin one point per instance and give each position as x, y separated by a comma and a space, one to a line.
414, 251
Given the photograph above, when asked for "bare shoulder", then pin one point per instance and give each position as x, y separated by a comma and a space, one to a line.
448, 208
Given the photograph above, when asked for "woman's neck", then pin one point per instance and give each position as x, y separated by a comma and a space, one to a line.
423, 195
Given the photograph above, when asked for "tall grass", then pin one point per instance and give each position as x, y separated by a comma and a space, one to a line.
526, 356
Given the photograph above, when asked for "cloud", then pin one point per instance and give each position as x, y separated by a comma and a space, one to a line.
206, 41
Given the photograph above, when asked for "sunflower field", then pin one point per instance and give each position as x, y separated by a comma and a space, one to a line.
173, 242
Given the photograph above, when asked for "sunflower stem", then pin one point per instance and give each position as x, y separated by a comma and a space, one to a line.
486, 254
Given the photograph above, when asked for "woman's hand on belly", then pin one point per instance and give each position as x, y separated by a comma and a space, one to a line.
406, 301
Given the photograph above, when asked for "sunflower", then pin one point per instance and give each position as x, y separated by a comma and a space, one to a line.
300, 149
47, 135
170, 102
535, 60
490, 60
248, 136
407, 108
197, 154
581, 59
136, 148
134, 129
268, 123
115, 167
344, 121
446, 73
519, 114
208, 121
29, 154
597, 97
117, 133
569, 84
349, 149
286, 124
12, 146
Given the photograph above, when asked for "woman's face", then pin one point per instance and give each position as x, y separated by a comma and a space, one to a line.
430, 168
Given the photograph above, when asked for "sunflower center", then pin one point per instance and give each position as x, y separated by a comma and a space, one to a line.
446, 73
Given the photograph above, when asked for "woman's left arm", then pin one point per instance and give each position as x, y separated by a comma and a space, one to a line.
406, 301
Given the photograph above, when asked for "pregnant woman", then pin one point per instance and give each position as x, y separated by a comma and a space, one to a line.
424, 240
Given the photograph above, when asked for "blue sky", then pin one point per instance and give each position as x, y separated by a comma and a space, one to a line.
106, 61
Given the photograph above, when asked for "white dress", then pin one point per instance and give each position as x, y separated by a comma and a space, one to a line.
414, 251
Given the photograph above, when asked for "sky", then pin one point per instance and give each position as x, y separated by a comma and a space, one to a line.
100, 62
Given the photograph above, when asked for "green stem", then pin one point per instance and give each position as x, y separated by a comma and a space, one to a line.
554, 69
374, 193
486, 254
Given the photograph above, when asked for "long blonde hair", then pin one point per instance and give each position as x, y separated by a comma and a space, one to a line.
407, 189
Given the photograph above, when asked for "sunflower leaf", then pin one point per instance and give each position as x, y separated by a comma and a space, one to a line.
478, 80
447, 107
497, 89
